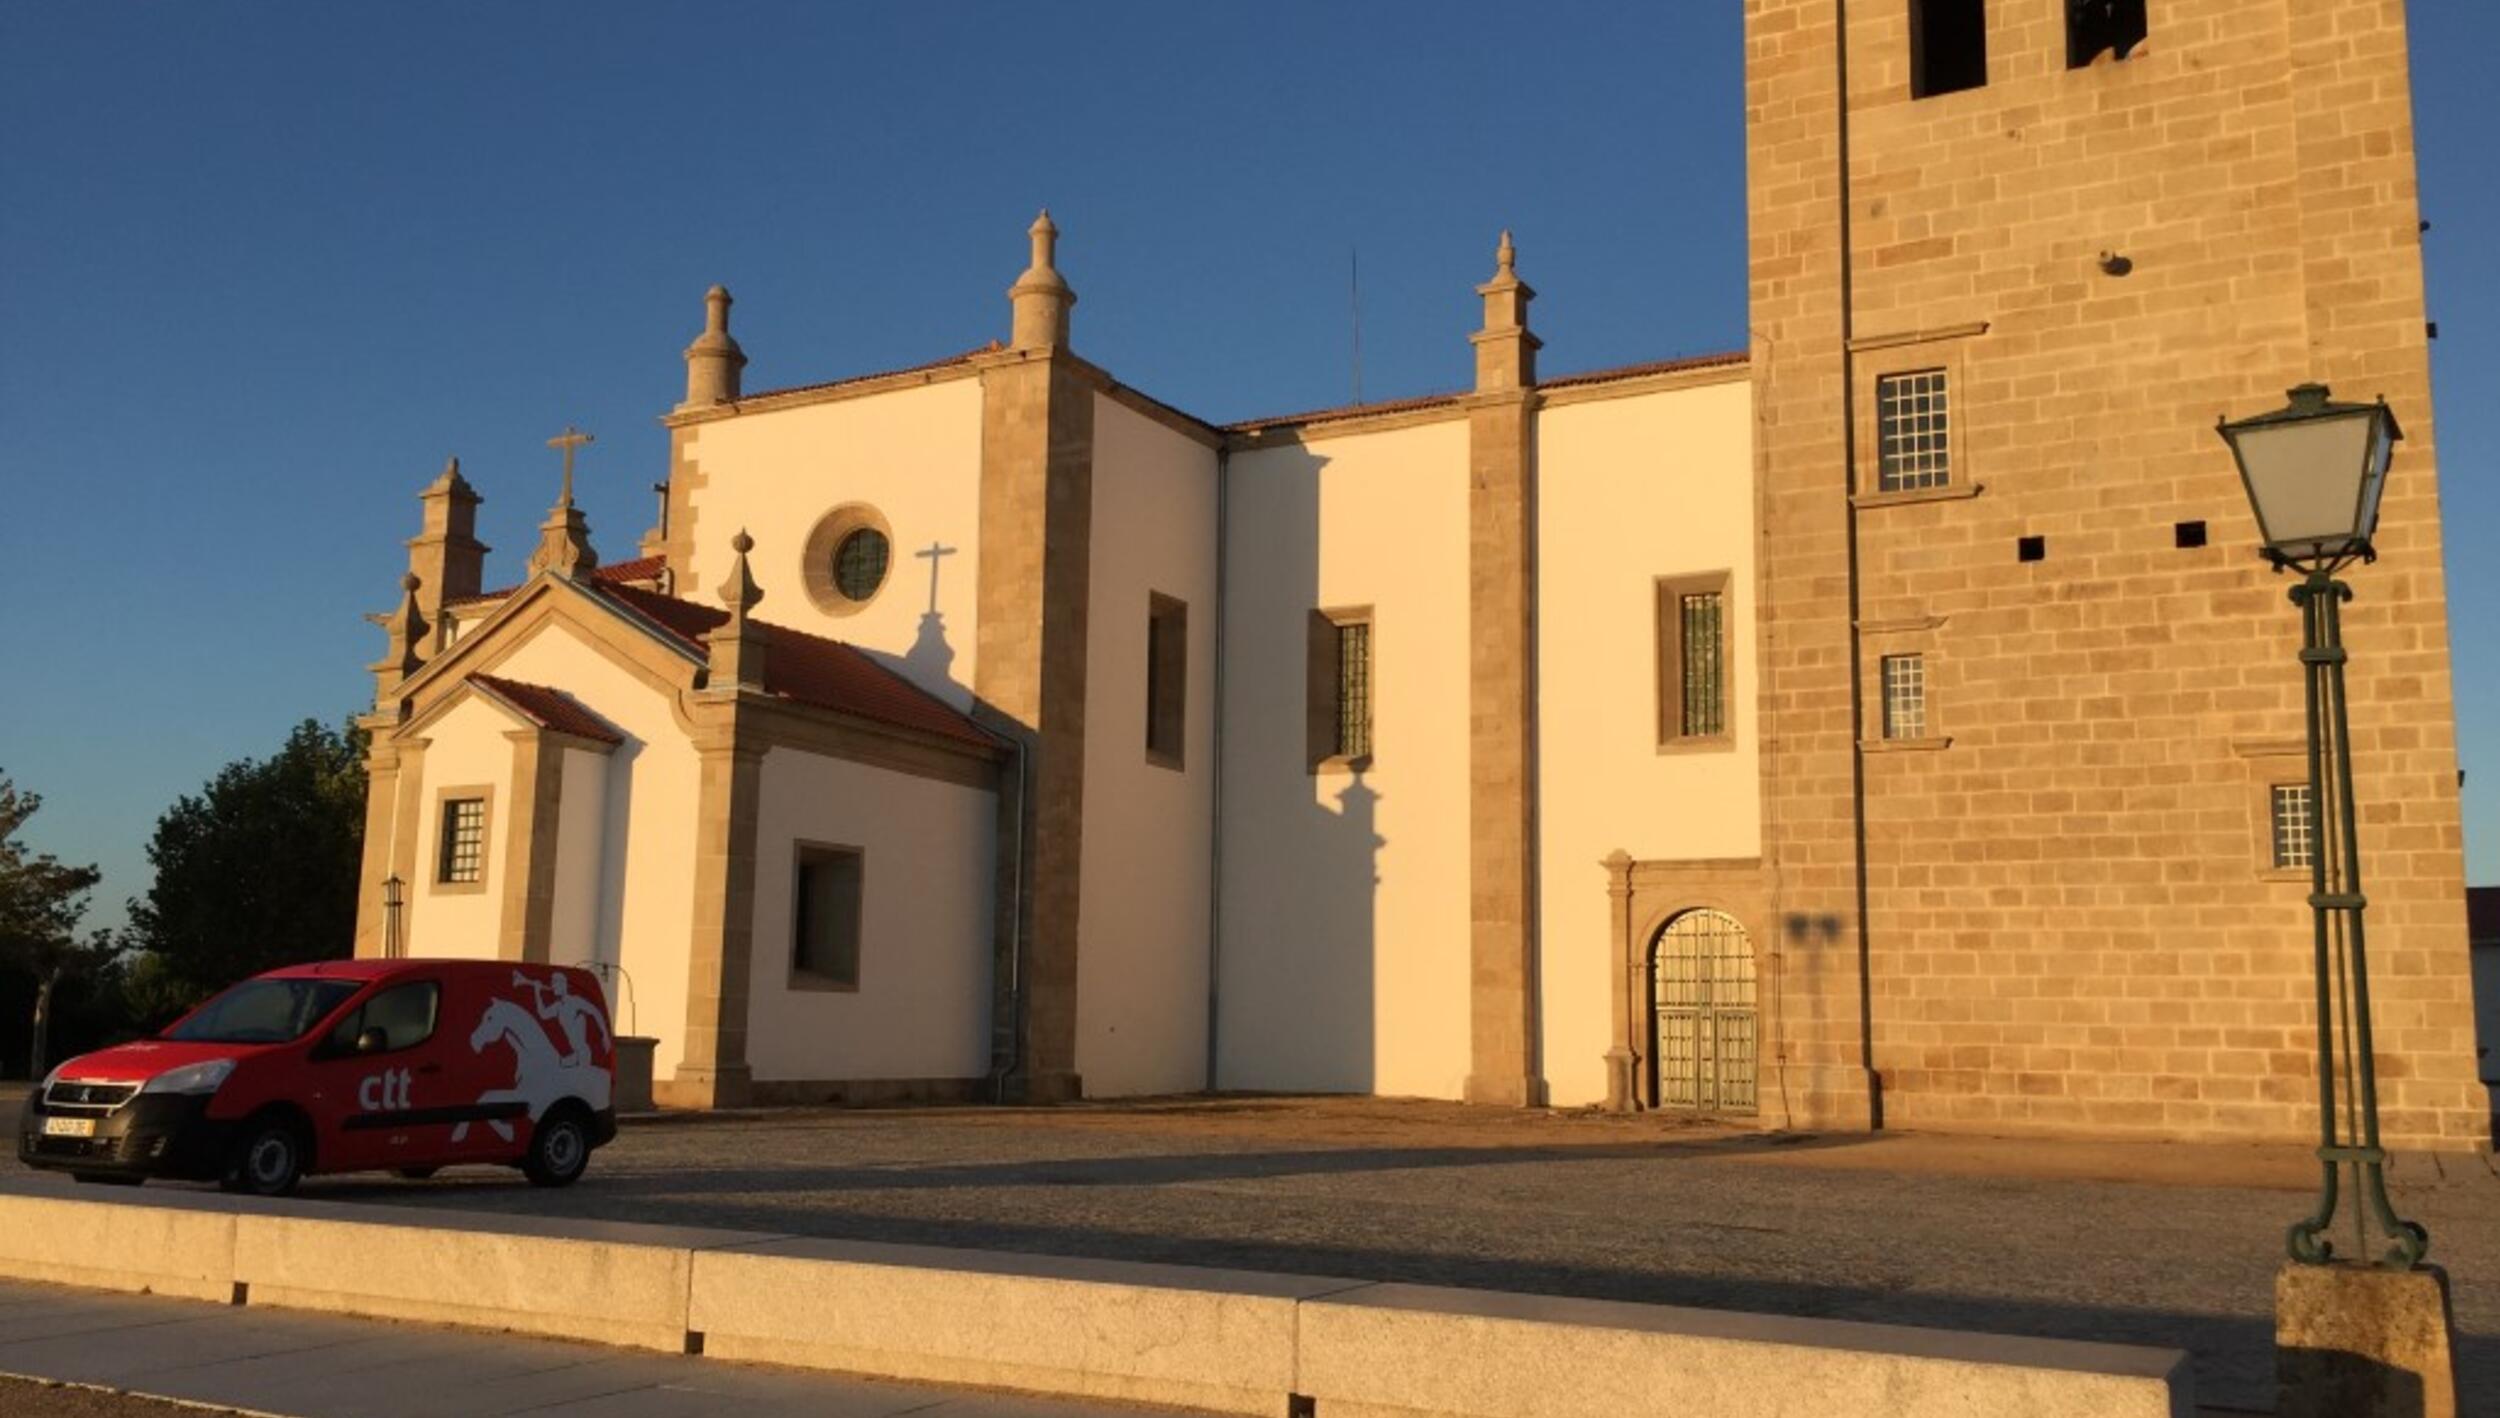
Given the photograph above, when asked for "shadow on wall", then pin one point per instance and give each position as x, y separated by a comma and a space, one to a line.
1301, 979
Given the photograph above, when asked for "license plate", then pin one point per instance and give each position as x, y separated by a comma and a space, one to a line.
69, 1127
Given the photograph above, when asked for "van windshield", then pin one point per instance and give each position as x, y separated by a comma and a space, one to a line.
263, 1012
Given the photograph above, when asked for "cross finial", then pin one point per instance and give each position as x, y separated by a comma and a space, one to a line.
569, 440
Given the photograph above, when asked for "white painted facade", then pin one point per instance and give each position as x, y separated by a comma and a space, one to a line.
922, 1009
465, 750
1142, 931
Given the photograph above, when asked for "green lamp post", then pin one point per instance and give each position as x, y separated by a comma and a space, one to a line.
2314, 472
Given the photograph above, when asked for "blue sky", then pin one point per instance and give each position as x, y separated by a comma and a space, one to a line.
263, 267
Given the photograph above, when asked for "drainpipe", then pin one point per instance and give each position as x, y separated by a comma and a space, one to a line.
1005, 1067
1215, 810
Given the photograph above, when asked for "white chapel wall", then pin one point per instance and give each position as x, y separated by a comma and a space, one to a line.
1630, 490
645, 880
1142, 930
928, 883
466, 748
1345, 933
914, 455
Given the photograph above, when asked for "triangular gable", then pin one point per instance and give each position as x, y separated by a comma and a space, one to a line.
625, 635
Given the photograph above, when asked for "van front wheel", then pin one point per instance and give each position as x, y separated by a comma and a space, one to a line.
559, 1148
269, 1161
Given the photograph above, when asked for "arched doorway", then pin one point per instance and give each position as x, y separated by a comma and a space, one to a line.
1701, 1005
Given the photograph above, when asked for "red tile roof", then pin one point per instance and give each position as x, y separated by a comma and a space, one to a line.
1427, 401
641, 568
809, 669
549, 708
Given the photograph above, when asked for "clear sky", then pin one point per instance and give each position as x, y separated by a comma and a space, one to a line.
263, 267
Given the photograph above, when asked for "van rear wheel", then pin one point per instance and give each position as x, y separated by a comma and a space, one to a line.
559, 1148
268, 1161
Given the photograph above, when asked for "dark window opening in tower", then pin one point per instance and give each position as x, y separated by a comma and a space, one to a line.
1948, 46
2093, 26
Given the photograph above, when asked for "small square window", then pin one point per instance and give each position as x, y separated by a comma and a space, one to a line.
1905, 696
1167, 680
2031, 548
2295, 826
2187, 536
461, 858
825, 917
1948, 46
1912, 428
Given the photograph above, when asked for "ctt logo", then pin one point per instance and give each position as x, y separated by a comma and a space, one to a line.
384, 1092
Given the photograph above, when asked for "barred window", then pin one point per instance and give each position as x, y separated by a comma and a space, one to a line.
1692, 659
859, 563
1905, 696
1911, 432
463, 853
1354, 689
2295, 826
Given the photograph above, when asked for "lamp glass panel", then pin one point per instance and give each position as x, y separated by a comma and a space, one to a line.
2382, 450
2305, 475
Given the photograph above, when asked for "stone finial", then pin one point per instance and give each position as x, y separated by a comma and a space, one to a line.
736, 646
713, 361
1505, 348
1041, 296
404, 652
564, 541
445, 555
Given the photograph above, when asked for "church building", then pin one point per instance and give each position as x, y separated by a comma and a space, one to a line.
1887, 724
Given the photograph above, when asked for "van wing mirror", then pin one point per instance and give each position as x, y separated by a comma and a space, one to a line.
373, 1040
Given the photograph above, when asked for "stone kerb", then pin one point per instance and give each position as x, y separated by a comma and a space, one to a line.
606, 1281
167, 1248
1405, 1351
1212, 1339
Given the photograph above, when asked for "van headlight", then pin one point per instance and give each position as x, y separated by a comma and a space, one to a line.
191, 1078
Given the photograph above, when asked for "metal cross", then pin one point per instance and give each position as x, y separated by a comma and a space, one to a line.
933, 551
569, 440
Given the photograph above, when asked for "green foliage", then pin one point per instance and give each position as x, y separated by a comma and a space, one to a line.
257, 871
41, 902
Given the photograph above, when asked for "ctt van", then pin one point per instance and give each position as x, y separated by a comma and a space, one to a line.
406, 1066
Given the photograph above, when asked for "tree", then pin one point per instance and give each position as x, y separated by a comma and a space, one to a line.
41, 902
259, 870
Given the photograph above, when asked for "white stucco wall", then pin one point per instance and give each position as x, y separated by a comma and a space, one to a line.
573, 934
912, 454
465, 748
1344, 901
928, 880
1630, 490
1142, 925
644, 908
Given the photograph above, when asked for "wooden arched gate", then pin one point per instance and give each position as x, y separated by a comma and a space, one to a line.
1702, 1014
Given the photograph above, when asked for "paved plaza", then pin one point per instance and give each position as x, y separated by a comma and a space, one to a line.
2135, 1243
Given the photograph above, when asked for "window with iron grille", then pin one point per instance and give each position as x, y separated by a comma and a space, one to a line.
1354, 689
463, 854
2295, 826
1905, 696
1692, 660
1911, 427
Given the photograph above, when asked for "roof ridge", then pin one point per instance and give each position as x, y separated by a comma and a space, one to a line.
1607, 375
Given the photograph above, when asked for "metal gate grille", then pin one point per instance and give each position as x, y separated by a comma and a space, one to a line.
1702, 997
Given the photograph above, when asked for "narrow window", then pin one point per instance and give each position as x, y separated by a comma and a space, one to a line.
1692, 660
2094, 27
824, 950
1911, 425
1339, 722
1905, 696
2295, 826
462, 856
1948, 46
1167, 679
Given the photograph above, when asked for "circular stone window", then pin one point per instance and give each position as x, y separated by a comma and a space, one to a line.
848, 555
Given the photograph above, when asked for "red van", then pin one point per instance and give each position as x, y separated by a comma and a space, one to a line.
344, 1066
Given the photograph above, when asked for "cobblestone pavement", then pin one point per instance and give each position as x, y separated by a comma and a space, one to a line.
2019, 1237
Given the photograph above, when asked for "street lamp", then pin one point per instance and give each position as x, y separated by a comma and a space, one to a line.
2314, 471
392, 891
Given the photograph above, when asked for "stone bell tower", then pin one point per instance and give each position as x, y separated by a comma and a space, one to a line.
2026, 688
